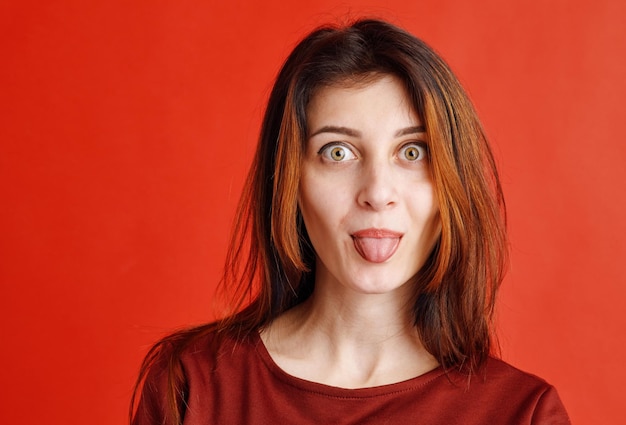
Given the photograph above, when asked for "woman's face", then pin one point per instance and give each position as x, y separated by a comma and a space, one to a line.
366, 194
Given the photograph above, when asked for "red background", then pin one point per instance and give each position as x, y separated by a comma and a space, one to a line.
126, 129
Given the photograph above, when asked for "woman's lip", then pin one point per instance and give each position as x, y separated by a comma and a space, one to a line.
376, 233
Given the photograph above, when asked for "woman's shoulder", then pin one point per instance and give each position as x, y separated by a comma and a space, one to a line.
185, 362
203, 345
169, 356
211, 346
499, 376
499, 380
500, 371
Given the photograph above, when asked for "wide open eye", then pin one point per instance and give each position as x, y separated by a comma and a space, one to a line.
337, 152
414, 152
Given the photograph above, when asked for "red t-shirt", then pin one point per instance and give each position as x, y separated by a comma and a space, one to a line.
239, 383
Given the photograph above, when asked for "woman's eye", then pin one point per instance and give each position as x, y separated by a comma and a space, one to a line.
414, 152
337, 153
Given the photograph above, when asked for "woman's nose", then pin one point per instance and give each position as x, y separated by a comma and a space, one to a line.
377, 189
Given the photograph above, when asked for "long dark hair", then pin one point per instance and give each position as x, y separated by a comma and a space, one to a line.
270, 263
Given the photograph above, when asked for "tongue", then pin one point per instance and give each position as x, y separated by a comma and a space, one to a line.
376, 250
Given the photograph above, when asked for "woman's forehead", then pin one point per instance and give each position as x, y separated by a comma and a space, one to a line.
370, 95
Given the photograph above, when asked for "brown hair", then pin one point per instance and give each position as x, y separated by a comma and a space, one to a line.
270, 263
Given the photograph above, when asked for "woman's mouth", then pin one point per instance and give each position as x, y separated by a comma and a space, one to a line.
376, 245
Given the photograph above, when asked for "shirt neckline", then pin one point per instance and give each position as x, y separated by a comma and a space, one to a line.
301, 384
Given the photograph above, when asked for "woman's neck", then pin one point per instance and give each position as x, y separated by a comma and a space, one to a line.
349, 340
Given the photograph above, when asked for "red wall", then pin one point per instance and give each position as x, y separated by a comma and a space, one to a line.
126, 129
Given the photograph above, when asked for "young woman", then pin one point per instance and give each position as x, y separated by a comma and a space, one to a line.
368, 249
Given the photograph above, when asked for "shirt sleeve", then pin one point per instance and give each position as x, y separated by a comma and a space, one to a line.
550, 410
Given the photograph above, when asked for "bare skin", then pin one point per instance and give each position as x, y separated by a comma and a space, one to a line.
338, 345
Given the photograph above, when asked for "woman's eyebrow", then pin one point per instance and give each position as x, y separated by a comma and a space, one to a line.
337, 130
411, 130
355, 133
